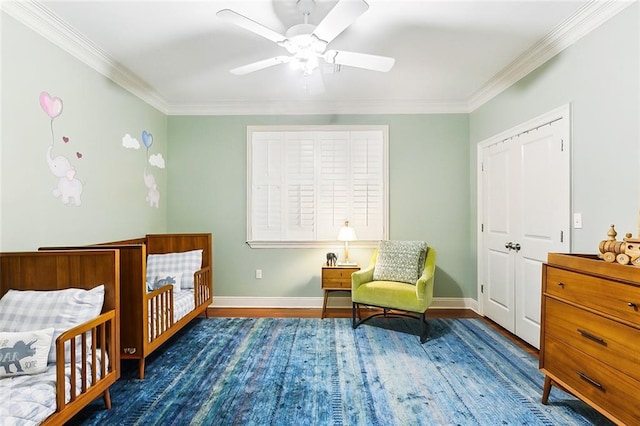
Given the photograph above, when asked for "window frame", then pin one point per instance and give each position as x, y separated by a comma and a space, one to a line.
383, 129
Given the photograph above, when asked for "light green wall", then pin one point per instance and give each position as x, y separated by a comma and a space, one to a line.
600, 77
429, 199
432, 162
96, 115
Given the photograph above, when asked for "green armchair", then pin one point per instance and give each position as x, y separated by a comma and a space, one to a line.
398, 294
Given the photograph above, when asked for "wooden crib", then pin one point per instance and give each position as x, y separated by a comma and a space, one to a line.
84, 269
147, 317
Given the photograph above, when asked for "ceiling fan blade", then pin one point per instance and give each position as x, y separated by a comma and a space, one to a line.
339, 18
251, 25
260, 65
359, 60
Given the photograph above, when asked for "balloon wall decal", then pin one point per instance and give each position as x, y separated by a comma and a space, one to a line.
52, 106
147, 139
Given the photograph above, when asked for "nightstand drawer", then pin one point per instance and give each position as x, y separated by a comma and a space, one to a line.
336, 283
337, 278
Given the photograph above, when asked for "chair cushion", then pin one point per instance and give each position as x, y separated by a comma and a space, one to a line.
390, 294
400, 261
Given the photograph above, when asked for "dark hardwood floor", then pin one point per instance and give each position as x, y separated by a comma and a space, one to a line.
346, 313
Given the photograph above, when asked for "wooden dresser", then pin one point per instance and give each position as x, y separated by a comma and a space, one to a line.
590, 333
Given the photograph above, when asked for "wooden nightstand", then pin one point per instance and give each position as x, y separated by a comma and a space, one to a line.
336, 278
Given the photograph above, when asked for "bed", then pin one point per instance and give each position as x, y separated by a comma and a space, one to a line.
151, 316
91, 359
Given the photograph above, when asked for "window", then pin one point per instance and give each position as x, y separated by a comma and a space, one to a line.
303, 183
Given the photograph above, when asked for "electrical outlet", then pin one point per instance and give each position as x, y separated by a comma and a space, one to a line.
577, 220
258, 274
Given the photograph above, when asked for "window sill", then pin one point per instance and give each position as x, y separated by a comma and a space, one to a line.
310, 244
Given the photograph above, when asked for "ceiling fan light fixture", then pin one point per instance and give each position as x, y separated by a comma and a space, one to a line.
305, 62
306, 49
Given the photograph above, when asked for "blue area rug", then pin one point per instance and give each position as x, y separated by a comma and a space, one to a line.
286, 371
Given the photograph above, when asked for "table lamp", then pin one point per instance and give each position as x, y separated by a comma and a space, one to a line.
346, 234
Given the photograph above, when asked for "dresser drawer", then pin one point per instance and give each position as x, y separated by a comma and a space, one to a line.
611, 342
610, 297
602, 385
337, 278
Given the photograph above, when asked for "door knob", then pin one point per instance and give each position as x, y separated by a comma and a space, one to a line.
516, 247
509, 245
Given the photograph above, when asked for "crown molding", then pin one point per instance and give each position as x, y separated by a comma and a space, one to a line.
581, 23
36, 16
40, 19
281, 107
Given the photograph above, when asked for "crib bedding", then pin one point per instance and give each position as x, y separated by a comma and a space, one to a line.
30, 399
183, 303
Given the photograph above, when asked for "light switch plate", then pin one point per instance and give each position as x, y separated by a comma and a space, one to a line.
577, 220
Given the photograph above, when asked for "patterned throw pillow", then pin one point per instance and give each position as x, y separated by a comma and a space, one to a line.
187, 262
26, 310
401, 261
24, 352
166, 278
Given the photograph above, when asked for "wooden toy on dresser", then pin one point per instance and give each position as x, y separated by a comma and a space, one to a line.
623, 252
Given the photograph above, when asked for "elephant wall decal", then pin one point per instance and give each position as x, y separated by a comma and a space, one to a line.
69, 187
153, 195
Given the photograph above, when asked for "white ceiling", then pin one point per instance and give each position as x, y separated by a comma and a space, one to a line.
451, 56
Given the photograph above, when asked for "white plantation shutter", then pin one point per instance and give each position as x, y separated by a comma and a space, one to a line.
367, 184
266, 191
300, 187
303, 184
333, 183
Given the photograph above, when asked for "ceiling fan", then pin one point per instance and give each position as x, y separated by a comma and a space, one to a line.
307, 44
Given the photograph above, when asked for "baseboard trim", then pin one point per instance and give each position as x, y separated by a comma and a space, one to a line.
333, 302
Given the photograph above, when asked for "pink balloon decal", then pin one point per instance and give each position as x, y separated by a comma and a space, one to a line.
52, 106
147, 138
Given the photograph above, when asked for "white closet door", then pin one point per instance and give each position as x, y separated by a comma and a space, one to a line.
525, 215
542, 215
498, 293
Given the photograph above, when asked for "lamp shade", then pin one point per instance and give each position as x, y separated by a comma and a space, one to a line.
347, 233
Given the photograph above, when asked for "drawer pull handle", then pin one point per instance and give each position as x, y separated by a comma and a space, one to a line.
592, 337
561, 284
632, 305
590, 380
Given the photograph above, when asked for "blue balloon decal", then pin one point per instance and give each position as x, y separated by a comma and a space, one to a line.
147, 139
